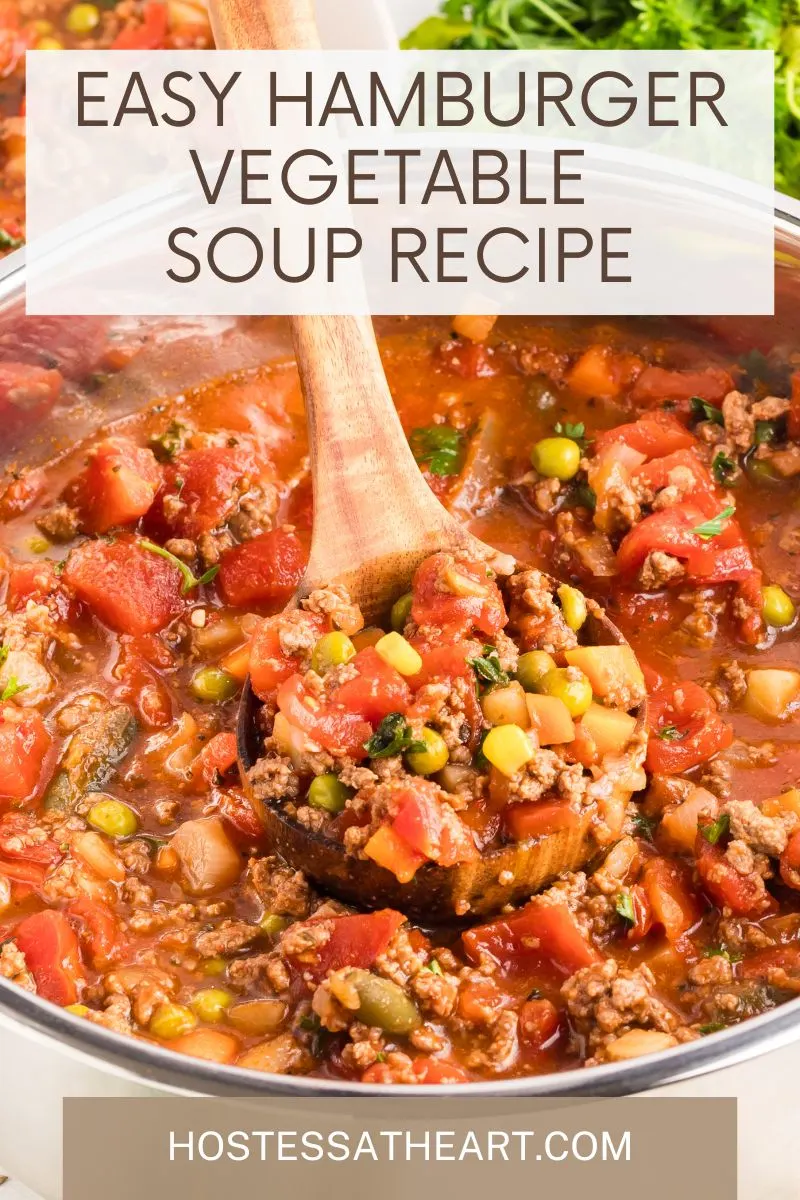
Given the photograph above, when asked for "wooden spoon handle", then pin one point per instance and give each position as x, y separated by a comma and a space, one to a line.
264, 24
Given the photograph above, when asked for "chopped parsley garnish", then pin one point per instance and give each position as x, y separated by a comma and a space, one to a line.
487, 668
717, 829
723, 467
169, 443
575, 432
766, 431
13, 688
438, 447
643, 826
670, 733
190, 582
712, 1027
705, 411
730, 956
624, 907
392, 736
434, 967
4, 652
582, 496
715, 525
9, 242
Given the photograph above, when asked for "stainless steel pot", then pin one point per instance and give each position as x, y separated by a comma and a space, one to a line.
47, 1054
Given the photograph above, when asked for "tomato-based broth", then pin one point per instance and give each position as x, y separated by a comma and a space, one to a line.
649, 467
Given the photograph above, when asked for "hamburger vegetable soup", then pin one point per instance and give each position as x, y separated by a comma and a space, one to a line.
648, 468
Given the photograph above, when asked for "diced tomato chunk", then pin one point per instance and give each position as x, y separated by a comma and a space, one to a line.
539, 936
99, 930
204, 482
376, 691
16, 842
673, 901
456, 597
26, 392
424, 1070
723, 558
333, 726
238, 812
52, 955
392, 852
655, 475
269, 664
694, 729
656, 384
744, 895
265, 570
30, 581
469, 360
653, 435
128, 588
539, 1024
24, 751
21, 493
73, 345
117, 486
431, 827
215, 759
355, 941
149, 34
762, 964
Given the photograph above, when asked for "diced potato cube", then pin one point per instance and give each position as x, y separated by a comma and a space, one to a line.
611, 670
508, 748
550, 718
679, 823
398, 653
506, 706
636, 1042
609, 728
771, 693
477, 329
785, 802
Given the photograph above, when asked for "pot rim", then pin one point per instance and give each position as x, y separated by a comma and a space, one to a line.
146, 1062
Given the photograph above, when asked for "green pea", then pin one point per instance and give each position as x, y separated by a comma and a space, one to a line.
82, 19
556, 457
432, 758
570, 685
271, 924
401, 611
532, 666
778, 609
112, 817
214, 966
212, 685
332, 650
172, 1020
573, 605
383, 1004
210, 1004
328, 793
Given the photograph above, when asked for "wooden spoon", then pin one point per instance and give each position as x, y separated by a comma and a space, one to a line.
375, 520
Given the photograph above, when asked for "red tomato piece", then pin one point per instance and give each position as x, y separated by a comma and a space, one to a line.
16, 842
24, 750
656, 475
479, 606
265, 570
128, 588
469, 360
205, 482
333, 726
377, 690
538, 818
790, 862
73, 345
52, 954
673, 902
117, 486
441, 662
656, 384
539, 1024
237, 812
654, 434
27, 392
22, 493
724, 558
742, 894
425, 1070
538, 936
99, 930
214, 760
699, 731
431, 827
763, 963
355, 941
30, 581
29, 874
269, 665
149, 34
642, 914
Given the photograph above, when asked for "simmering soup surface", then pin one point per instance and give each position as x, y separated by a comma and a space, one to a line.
648, 466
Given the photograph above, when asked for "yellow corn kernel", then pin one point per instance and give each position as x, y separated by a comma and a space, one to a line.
77, 1010
508, 748
398, 653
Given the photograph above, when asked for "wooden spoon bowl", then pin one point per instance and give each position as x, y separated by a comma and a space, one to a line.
505, 874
